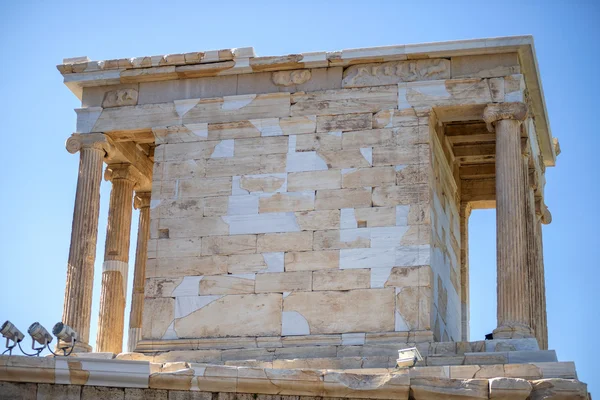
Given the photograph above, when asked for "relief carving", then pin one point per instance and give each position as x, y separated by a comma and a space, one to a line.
120, 98
395, 71
289, 78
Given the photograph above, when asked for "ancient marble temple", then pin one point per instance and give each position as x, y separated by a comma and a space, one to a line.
301, 219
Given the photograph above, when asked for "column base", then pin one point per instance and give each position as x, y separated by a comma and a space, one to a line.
513, 331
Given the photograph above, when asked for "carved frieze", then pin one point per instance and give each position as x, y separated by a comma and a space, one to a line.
120, 98
289, 78
393, 72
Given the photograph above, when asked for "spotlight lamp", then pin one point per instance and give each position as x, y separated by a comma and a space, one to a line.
67, 335
12, 334
39, 334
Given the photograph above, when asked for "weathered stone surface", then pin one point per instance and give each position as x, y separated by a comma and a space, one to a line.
120, 98
293, 241
332, 240
316, 220
283, 282
410, 276
157, 316
344, 122
314, 180
290, 78
145, 394
413, 307
396, 71
102, 393
335, 312
361, 177
558, 389
262, 183
286, 202
325, 141
344, 101
439, 388
238, 244
54, 392
312, 260
24, 391
341, 279
226, 284
234, 315
509, 388
485, 66
342, 198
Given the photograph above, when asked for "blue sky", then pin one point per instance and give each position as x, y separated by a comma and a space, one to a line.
38, 176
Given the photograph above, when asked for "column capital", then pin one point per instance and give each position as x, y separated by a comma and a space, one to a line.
141, 200
499, 111
79, 141
122, 171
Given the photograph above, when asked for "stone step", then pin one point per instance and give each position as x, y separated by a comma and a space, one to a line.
490, 358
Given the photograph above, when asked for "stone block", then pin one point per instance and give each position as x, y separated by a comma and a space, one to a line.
485, 66
344, 101
344, 122
362, 177
24, 391
332, 240
527, 344
190, 227
524, 371
411, 276
55, 392
176, 360
287, 353
442, 389
188, 395
176, 247
522, 357
215, 206
342, 198
486, 358
182, 152
368, 138
298, 125
294, 241
204, 187
223, 245
145, 394
186, 266
386, 196
316, 220
369, 217
400, 155
158, 314
324, 141
350, 158
440, 372
312, 260
344, 312
234, 315
413, 308
283, 281
443, 93
286, 202
187, 169
226, 284
261, 145
341, 279
232, 130
262, 223
395, 118
267, 183
377, 74
411, 174
246, 263
314, 180
247, 165
102, 393
445, 360
558, 389
509, 388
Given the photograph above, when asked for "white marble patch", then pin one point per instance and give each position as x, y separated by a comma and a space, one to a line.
352, 235
262, 223
274, 261
335, 133
367, 153
223, 149
292, 139
387, 236
186, 305
200, 129
154, 204
367, 258
402, 98
348, 219
237, 102
408, 256
62, 375
353, 339
170, 332
293, 323
267, 126
86, 118
348, 170
189, 286
242, 205
119, 266
286, 294
305, 161
379, 276
183, 106
399, 324
236, 189
402, 215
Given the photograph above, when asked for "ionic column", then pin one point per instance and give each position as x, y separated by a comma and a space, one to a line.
141, 201
465, 213
92, 148
512, 271
116, 258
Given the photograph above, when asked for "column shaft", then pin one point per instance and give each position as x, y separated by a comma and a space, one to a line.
513, 282
142, 202
465, 213
115, 267
84, 233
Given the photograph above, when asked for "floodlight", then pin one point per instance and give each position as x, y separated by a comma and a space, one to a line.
64, 332
39, 334
408, 357
11, 332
